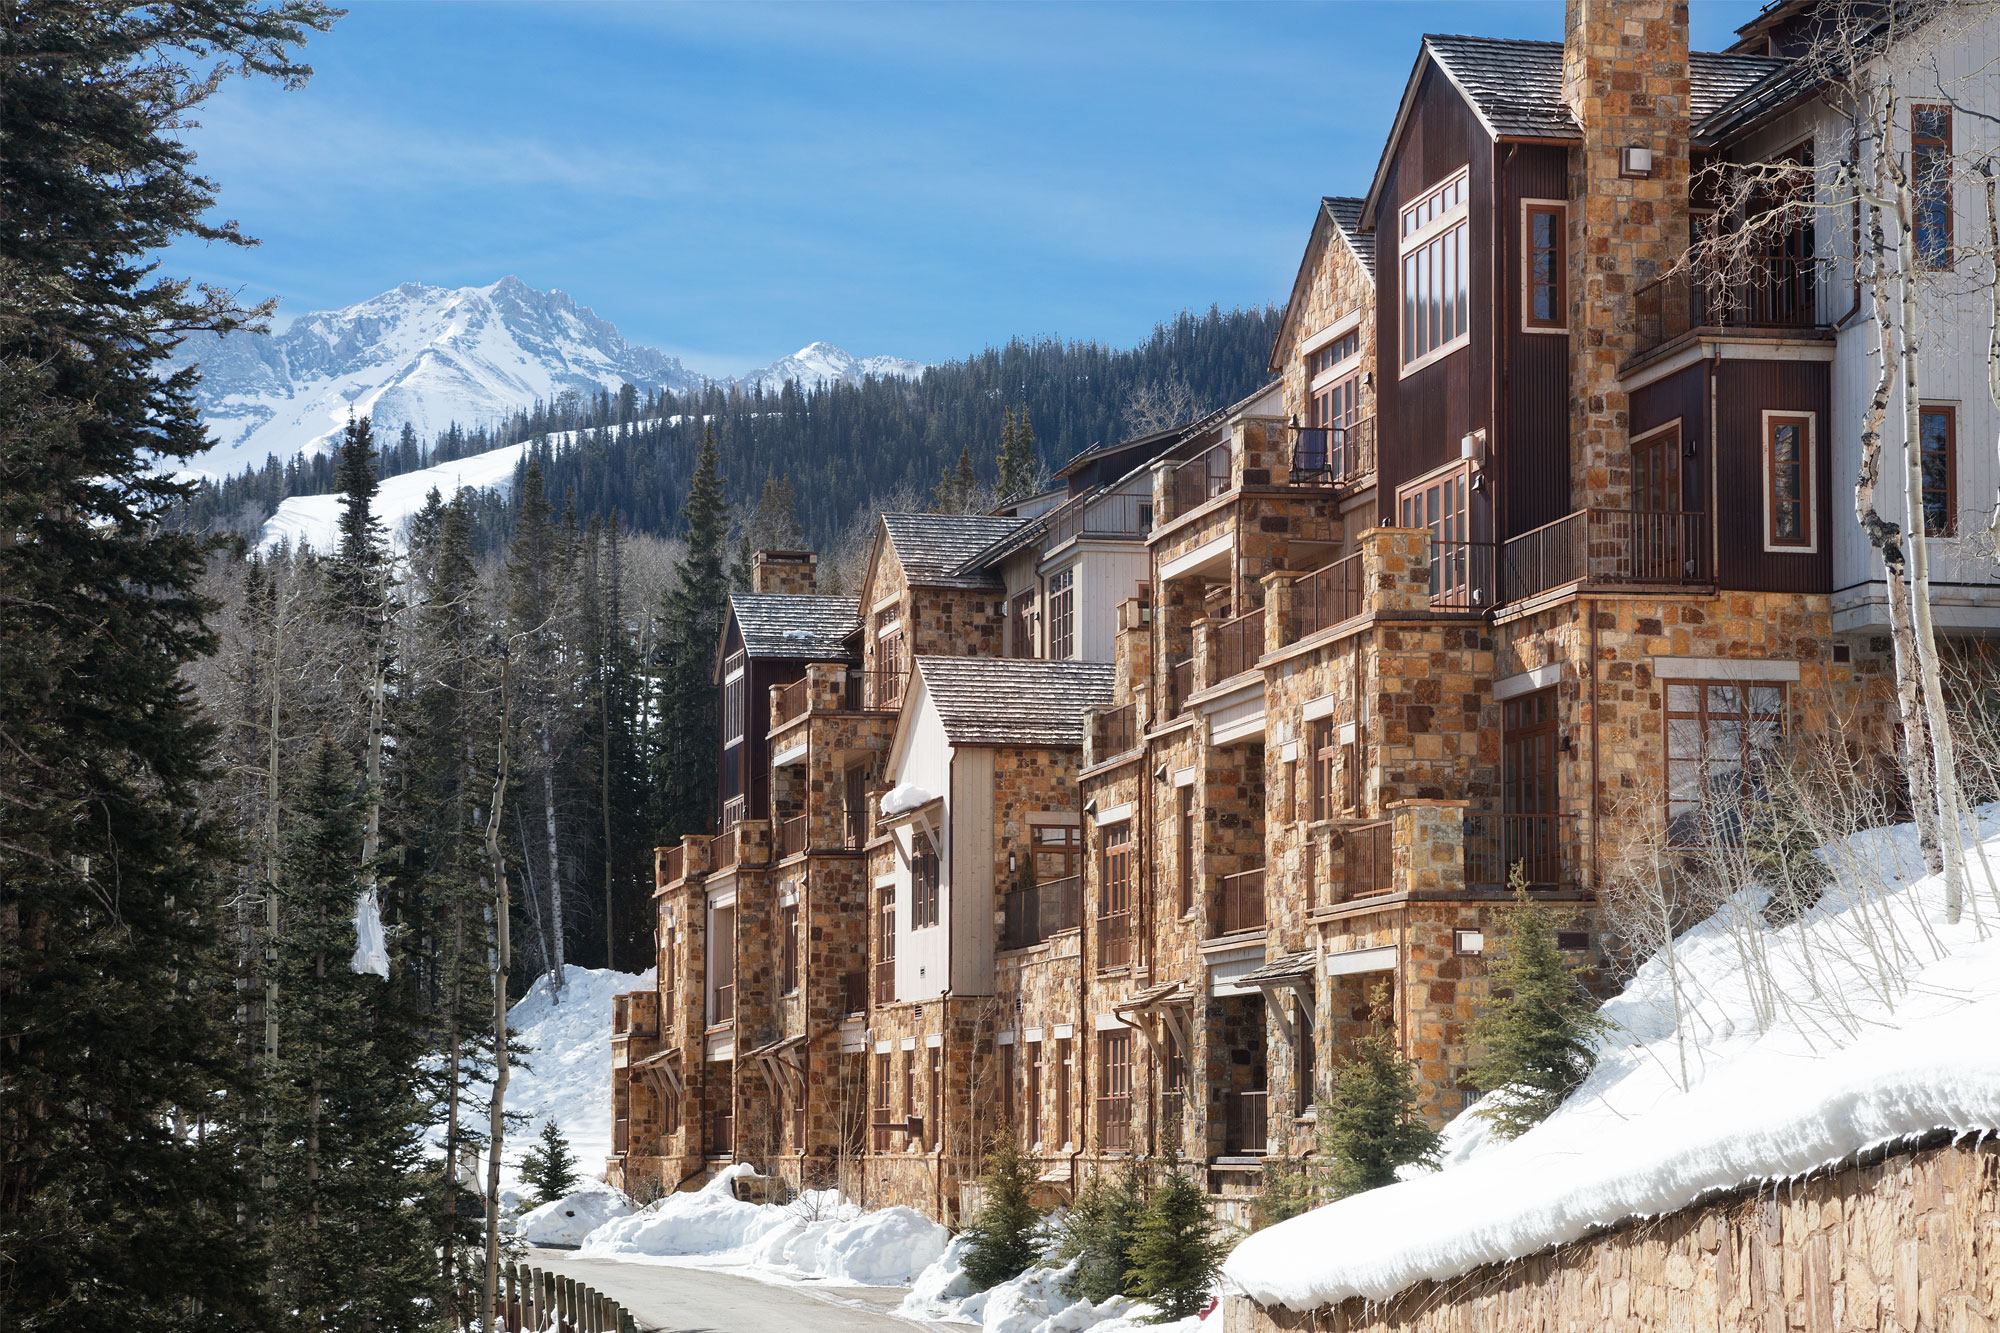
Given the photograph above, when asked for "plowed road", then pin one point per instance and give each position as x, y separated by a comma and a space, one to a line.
700, 1300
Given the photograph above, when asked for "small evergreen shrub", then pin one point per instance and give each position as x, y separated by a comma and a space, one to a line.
1100, 1231
1002, 1240
1292, 1185
1537, 1032
1369, 1125
1176, 1251
549, 1167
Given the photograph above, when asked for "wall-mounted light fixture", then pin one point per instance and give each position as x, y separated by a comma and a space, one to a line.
1010, 863
1468, 941
1635, 162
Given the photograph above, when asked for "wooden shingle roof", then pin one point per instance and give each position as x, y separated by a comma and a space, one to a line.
1012, 700
799, 628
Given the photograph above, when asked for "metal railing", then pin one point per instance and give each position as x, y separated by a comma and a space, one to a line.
1243, 901
1114, 940
1370, 858
722, 1008
875, 691
854, 828
791, 836
1606, 546
1180, 682
792, 702
853, 992
1333, 455
1120, 515
1496, 843
1117, 731
885, 981
1462, 576
1772, 291
722, 850
670, 864
1200, 479
1246, 1127
1327, 596
1033, 914
1238, 644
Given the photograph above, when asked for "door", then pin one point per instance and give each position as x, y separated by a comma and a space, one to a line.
1530, 833
1658, 540
1441, 507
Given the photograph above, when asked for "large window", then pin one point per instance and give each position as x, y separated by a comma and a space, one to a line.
1114, 1099
1065, 1080
1305, 1054
1058, 851
1441, 507
1435, 249
1031, 1098
1007, 1093
1021, 626
1114, 911
891, 658
1719, 734
1544, 275
1939, 439
1188, 850
789, 949
1325, 768
885, 945
735, 698
1062, 614
1930, 182
1788, 481
884, 1112
924, 882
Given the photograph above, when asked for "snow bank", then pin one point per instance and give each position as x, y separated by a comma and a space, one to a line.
712, 1220
905, 796
566, 1221
1031, 1303
1862, 1063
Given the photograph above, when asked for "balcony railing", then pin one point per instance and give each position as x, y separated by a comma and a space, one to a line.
1117, 731
791, 836
734, 810
1462, 576
1124, 515
853, 992
885, 981
1114, 940
722, 849
1033, 914
1238, 644
722, 1007
1333, 455
1180, 682
1496, 843
792, 702
670, 864
875, 691
1774, 291
854, 828
1327, 596
1606, 546
1246, 1128
1370, 857
1243, 901
1201, 479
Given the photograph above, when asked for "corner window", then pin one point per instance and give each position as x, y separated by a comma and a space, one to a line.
1544, 270
1719, 734
1938, 437
1436, 251
1930, 182
1062, 614
924, 881
1788, 482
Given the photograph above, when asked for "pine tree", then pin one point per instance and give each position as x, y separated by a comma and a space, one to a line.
122, 1095
1370, 1123
958, 491
684, 743
772, 526
1176, 1251
549, 1166
1539, 1030
1099, 1232
1003, 1239
1018, 469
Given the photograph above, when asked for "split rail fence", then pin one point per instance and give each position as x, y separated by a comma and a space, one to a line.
534, 1300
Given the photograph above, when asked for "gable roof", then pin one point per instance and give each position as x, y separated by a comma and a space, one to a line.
797, 628
1012, 700
933, 548
1339, 215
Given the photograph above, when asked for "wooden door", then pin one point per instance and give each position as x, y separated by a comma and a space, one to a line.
1440, 506
1530, 739
1657, 539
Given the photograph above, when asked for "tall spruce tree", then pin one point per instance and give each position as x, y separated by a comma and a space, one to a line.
684, 744
1018, 469
122, 1175
1003, 1240
1370, 1125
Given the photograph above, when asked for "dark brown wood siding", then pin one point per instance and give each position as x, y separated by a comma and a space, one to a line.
1682, 396
1421, 419
1744, 391
1532, 451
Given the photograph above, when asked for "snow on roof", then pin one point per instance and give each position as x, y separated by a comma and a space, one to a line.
1844, 1058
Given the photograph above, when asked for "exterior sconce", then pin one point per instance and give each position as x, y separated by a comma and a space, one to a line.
1465, 942
1010, 863
1635, 162
1565, 743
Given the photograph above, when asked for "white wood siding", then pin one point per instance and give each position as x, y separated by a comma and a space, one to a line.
968, 887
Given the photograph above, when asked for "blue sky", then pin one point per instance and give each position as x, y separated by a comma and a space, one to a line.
730, 182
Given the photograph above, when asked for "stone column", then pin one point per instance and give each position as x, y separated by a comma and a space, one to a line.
1278, 608
1203, 631
1396, 569
1429, 848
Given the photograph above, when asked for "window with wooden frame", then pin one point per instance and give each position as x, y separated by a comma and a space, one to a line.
1185, 834
1062, 614
1006, 1061
1114, 1098
1350, 776
885, 945
891, 661
1435, 247
923, 881
1021, 629
884, 1112
934, 1098
916, 1137
1305, 1054
1544, 266
1938, 438
1719, 736
1114, 902
1325, 773
1065, 1081
1031, 1096
1788, 481
1441, 505
1058, 851
1930, 184
1329, 356
735, 699
789, 959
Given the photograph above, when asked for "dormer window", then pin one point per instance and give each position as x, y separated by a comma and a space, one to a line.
1436, 274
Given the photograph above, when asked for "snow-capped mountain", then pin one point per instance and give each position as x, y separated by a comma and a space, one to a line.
430, 356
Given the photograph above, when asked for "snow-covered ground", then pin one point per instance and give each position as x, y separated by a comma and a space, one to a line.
1866, 1022
315, 519
1034, 1302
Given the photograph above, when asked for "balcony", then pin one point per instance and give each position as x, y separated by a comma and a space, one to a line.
1114, 940
1117, 732
670, 864
1243, 901
722, 849
1246, 1125
791, 836
1239, 643
1199, 480
1328, 596
1333, 455
1180, 682
1606, 546
722, 1005
1031, 915
1370, 858
1496, 844
1773, 293
791, 703
1112, 516
1462, 576
854, 828
721, 1134
875, 691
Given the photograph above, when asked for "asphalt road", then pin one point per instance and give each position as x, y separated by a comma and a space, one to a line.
697, 1300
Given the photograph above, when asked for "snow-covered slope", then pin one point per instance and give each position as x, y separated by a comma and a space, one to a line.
315, 519
431, 356
1867, 1021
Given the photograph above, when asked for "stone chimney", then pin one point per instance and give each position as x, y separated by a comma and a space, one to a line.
1625, 79
793, 572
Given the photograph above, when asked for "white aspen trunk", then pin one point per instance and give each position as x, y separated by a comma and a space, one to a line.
497, 1124
555, 864
1993, 333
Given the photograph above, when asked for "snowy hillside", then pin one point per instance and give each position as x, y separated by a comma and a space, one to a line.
315, 519
1867, 1021
431, 356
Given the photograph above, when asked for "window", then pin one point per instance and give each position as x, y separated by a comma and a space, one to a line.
735, 721
1939, 439
1031, 1133
1441, 507
924, 882
1718, 733
721, 965
1062, 614
1530, 831
668, 974
934, 1102
1114, 1099
1187, 848
915, 1138
1788, 481
1114, 907
885, 945
1930, 183
1058, 851
884, 1113
1437, 304
1325, 758
789, 968
1021, 631
890, 660
1305, 1054
1544, 274
1006, 1063
1324, 359
1065, 1075
854, 801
